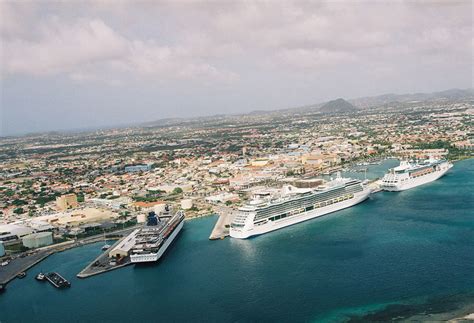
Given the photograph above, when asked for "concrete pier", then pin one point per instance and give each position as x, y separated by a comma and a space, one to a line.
18, 265
101, 264
221, 228
30, 259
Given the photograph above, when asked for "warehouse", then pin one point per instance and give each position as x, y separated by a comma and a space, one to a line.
37, 240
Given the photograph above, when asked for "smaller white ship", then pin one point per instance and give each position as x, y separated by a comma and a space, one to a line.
411, 174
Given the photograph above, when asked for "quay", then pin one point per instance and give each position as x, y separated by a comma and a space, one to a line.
21, 264
101, 264
27, 260
221, 228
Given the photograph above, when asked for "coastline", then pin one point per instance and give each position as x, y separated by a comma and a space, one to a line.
451, 308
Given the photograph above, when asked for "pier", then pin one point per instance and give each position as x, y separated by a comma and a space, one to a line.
221, 228
22, 263
101, 264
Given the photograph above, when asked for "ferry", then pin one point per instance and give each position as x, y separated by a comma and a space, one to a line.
290, 205
412, 174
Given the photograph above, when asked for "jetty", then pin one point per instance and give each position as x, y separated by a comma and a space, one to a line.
103, 263
221, 228
21, 264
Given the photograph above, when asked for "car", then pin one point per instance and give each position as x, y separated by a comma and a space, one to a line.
5, 263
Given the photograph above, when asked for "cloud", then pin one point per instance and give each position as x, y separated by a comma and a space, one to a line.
90, 50
62, 48
207, 40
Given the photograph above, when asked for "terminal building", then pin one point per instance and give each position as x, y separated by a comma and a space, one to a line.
123, 248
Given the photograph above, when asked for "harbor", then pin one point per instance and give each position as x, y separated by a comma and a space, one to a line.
378, 243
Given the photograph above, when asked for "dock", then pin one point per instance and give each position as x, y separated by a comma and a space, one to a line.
21, 264
221, 228
101, 264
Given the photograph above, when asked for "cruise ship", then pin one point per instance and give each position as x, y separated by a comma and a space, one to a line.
156, 236
291, 205
411, 174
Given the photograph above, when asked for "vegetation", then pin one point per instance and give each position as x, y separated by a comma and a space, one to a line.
178, 190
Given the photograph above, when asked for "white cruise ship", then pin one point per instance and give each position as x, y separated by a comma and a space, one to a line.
292, 205
409, 175
152, 240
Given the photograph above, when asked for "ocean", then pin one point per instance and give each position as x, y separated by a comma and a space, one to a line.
395, 255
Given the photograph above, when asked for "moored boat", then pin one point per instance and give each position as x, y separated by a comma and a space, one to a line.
272, 210
57, 280
412, 174
21, 275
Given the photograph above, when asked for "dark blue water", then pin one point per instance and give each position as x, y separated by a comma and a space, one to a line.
412, 247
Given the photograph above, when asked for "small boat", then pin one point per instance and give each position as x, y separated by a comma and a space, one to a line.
106, 245
40, 277
21, 275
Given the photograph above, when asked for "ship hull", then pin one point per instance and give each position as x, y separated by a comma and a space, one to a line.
279, 224
414, 182
152, 257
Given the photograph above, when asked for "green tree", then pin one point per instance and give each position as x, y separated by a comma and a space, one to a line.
19, 210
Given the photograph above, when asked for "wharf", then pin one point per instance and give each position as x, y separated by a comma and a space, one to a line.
21, 264
221, 228
101, 264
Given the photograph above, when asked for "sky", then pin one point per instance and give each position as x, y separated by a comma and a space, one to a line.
74, 64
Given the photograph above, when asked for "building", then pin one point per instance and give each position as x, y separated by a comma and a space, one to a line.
36, 240
79, 216
10, 233
186, 204
259, 162
123, 248
68, 201
137, 168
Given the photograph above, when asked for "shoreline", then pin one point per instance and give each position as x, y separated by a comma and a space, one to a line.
441, 308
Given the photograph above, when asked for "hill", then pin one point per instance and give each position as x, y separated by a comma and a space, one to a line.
338, 105
452, 94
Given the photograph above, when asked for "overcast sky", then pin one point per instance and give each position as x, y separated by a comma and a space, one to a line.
77, 64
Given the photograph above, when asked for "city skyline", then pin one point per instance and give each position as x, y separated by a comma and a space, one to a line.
71, 66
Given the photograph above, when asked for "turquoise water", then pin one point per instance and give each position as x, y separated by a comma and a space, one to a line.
414, 247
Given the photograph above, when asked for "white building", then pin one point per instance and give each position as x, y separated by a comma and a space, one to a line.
186, 204
37, 240
124, 247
